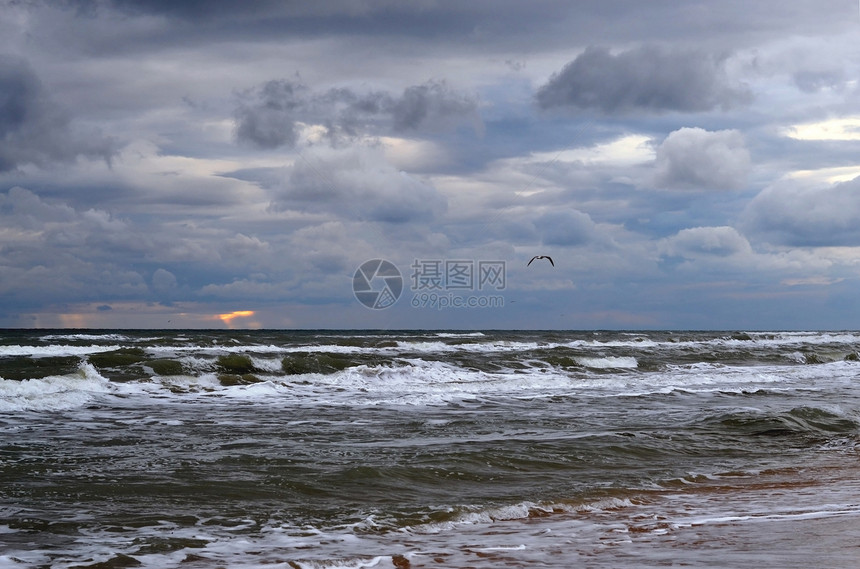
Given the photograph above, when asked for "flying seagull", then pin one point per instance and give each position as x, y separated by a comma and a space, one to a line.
547, 257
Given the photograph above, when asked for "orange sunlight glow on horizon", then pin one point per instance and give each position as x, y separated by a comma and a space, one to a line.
226, 318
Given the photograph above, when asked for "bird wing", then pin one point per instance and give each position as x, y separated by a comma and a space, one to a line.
532, 259
550, 261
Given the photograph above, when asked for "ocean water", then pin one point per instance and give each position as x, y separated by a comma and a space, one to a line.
300, 449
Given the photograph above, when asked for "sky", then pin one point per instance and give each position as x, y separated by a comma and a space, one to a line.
396, 165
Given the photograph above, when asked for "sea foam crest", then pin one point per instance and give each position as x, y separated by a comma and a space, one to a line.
93, 337
54, 393
461, 334
54, 350
473, 347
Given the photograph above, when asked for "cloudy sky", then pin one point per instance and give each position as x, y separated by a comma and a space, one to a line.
220, 164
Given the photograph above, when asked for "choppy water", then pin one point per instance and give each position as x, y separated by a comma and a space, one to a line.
205, 449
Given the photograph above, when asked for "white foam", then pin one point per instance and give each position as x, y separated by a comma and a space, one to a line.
767, 340
54, 350
610, 362
460, 335
823, 511
263, 349
519, 547
195, 363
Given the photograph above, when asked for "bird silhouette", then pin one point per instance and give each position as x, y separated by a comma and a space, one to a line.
547, 257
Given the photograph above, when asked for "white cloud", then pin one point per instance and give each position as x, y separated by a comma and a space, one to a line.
565, 228
825, 176
626, 150
706, 242
694, 158
794, 213
723, 255
844, 128
357, 183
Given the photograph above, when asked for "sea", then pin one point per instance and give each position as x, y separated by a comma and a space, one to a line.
204, 449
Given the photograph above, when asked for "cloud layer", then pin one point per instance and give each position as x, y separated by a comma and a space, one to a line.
686, 166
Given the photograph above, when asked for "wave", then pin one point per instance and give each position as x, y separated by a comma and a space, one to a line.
373, 379
55, 393
659, 345
801, 422
432, 368
92, 337
470, 516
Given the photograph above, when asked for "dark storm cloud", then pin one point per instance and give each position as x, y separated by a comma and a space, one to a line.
200, 22
648, 78
33, 130
432, 103
190, 8
230, 9
417, 20
271, 115
523, 26
185, 9
269, 119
